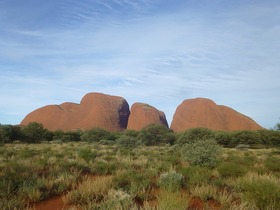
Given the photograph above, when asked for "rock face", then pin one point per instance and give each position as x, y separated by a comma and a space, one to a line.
95, 110
201, 112
143, 114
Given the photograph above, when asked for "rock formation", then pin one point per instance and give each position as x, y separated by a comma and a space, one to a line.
143, 114
201, 112
95, 110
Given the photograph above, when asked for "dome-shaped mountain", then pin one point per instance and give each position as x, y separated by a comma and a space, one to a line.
143, 114
95, 110
201, 112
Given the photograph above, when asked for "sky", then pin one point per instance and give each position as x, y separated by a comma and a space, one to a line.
159, 52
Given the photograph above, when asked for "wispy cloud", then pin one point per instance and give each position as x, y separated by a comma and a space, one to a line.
157, 56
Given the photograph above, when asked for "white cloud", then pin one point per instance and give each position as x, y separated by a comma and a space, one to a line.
160, 59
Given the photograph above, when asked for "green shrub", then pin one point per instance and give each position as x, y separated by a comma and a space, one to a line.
87, 154
155, 134
195, 134
97, 134
231, 169
127, 141
245, 137
223, 138
171, 181
202, 153
33, 132
116, 199
196, 175
272, 163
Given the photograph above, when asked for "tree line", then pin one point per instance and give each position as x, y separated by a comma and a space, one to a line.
150, 135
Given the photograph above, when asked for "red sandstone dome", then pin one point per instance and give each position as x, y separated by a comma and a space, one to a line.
201, 112
95, 110
143, 114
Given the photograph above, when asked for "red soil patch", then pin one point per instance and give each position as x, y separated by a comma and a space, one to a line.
198, 204
55, 203
213, 204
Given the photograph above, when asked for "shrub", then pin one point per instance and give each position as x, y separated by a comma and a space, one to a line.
127, 141
246, 137
231, 169
33, 132
196, 175
223, 138
195, 134
116, 199
97, 134
155, 134
171, 181
87, 154
202, 153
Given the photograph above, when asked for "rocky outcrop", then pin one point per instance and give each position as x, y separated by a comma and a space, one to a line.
201, 112
143, 114
95, 110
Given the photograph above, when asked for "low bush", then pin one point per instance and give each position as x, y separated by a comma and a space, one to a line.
171, 181
196, 175
87, 154
202, 153
195, 134
128, 141
155, 134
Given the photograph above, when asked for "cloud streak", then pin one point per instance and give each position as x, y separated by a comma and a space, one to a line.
158, 56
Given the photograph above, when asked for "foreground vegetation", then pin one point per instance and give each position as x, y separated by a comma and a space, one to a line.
150, 169
152, 135
96, 176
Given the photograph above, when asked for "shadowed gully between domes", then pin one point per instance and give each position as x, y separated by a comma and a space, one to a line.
97, 110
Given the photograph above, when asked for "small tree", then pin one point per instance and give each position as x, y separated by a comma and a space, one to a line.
9, 133
97, 134
202, 153
195, 134
128, 141
33, 132
156, 134
277, 127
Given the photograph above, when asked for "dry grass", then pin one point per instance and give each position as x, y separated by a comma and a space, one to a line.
92, 189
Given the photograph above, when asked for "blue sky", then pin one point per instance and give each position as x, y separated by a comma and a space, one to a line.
159, 52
